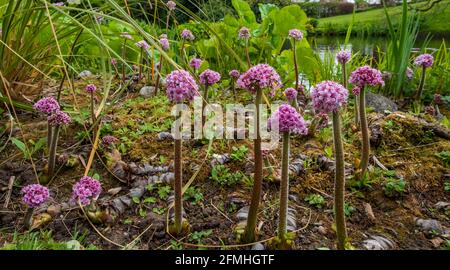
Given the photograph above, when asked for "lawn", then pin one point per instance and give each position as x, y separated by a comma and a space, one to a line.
374, 21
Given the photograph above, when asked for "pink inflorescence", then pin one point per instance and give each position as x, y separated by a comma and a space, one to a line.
34, 195
356, 90
47, 105
113, 61
180, 86
409, 73
164, 42
234, 74
195, 63
296, 34
90, 88
171, 5
125, 35
291, 94
143, 44
343, 56
366, 76
59, 118
86, 189
209, 77
244, 33
260, 76
328, 96
187, 34
438, 99
289, 120
424, 60
109, 140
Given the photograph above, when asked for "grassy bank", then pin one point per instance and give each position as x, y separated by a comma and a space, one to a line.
373, 22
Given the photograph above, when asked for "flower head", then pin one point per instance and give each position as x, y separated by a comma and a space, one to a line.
438, 99
187, 35
430, 110
109, 140
59, 118
366, 76
244, 33
86, 189
143, 44
34, 195
164, 42
209, 77
289, 120
180, 86
296, 34
234, 74
47, 105
328, 96
171, 5
424, 60
343, 56
291, 94
113, 61
125, 35
195, 63
409, 73
90, 88
260, 76
356, 90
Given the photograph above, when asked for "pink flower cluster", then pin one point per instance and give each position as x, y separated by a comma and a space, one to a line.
47, 105
234, 74
90, 88
260, 76
59, 118
180, 86
143, 44
113, 61
187, 34
424, 60
296, 34
244, 33
125, 35
356, 90
291, 94
328, 96
86, 189
366, 76
438, 99
164, 42
288, 119
343, 56
409, 73
209, 77
109, 140
34, 195
195, 63
171, 5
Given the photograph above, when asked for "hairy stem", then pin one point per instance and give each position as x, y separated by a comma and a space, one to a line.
205, 100
93, 117
158, 76
141, 59
294, 45
123, 57
52, 153
339, 182
178, 186
284, 189
249, 234
421, 84
49, 137
364, 131
28, 219
247, 53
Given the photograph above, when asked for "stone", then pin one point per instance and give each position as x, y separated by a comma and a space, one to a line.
147, 91
377, 242
85, 74
430, 226
442, 205
380, 103
258, 246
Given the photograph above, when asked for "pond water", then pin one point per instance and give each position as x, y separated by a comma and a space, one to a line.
366, 46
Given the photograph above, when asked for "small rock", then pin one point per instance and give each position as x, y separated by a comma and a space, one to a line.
147, 91
430, 226
442, 205
377, 242
114, 191
164, 136
369, 212
258, 246
380, 103
85, 74
437, 242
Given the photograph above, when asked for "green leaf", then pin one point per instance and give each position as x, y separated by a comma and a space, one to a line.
244, 11
288, 18
265, 9
136, 200
20, 145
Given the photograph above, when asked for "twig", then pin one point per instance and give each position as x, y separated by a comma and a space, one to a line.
139, 236
218, 210
8, 194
